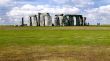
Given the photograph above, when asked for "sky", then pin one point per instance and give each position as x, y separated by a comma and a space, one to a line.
96, 11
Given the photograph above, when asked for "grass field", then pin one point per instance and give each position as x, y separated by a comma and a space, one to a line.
89, 43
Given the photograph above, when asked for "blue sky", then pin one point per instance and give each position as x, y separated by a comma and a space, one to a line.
11, 11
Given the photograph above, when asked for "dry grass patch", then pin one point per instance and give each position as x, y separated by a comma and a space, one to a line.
55, 53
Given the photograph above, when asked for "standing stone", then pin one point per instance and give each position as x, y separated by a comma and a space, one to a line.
30, 21
22, 24
39, 19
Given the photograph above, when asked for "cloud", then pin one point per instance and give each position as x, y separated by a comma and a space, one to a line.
77, 3
27, 10
82, 3
87, 7
4, 1
61, 1
100, 14
31, 9
2, 21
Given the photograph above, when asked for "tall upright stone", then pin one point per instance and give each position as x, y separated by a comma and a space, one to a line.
48, 20
71, 20
61, 19
22, 24
77, 21
35, 18
44, 20
81, 20
39, 14
84, 21
57, 21
30, 21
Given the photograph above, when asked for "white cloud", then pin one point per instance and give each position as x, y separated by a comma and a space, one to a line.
1, 21
77, 3
21, 11
100, 14
61, 1
83, 3
26, 10
30, 10
4, 1
104, 9
0, 18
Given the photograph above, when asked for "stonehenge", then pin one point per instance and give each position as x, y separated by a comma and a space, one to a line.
45, 19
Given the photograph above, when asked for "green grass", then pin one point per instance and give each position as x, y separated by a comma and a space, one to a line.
88, 43
92, 36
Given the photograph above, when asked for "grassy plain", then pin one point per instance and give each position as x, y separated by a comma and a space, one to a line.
86, 43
